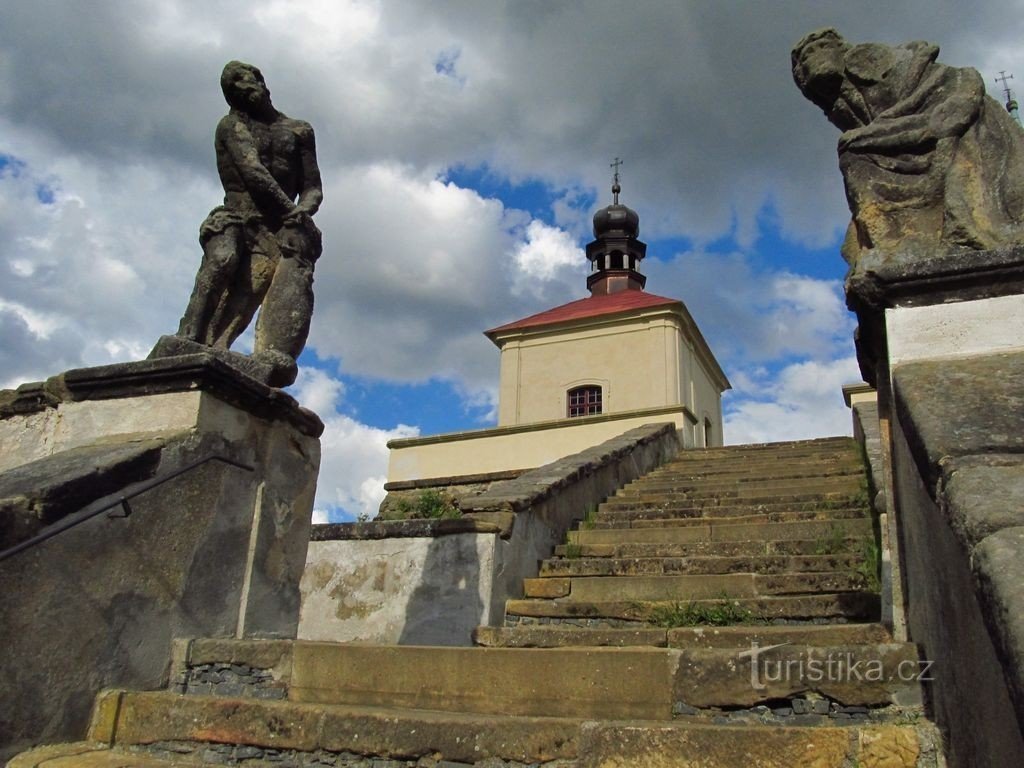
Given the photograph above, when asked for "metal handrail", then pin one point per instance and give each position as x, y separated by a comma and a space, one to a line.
120, 499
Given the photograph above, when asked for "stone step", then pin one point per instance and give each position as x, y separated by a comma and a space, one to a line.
811, 448
605, 683
609, 520
599, 589
742, 636
617, 511
754, 496
719, 470
685, 745
721, 531
651, 486
623, 512
666, 566
151, 718
845, 545
841, 606
680, 744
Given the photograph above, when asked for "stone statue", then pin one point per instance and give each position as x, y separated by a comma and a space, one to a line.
927, 158
260, 246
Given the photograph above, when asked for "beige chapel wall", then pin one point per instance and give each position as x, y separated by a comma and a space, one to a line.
636, 362
701, 397
519, 447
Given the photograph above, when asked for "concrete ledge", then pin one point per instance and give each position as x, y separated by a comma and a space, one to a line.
500, 523
441, 482
149, 377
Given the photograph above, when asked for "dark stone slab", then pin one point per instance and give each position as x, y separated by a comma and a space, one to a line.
983, 495
175, 346
951, 408
999, 569
913, 277
204, 371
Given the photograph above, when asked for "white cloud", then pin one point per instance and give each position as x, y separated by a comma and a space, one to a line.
805, 400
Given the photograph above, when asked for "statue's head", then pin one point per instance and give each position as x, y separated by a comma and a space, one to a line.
819, 66
244, 87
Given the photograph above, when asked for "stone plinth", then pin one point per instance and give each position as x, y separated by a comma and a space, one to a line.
216, 551
918, 304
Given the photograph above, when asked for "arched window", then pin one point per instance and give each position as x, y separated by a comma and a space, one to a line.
583, 401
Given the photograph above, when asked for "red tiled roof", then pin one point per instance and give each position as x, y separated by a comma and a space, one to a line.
592, 306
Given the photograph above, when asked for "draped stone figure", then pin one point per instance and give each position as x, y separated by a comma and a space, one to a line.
260, 246
928, 159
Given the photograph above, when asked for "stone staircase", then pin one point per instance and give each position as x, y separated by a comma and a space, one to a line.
716, 613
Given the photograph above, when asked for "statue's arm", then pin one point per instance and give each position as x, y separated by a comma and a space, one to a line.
920, 120
312, 193
234, 138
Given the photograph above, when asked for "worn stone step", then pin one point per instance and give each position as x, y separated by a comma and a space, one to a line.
765, 470
723, 531
742, 636
754, 496
647, 485
610, 521
843, 545
663, 745
851, 606
665, 566
638, 510
127, 718
606, 683
596, 589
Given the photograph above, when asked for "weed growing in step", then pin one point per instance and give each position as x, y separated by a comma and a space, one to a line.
572, 550
833, 543
870, 568
718, 613
589, 516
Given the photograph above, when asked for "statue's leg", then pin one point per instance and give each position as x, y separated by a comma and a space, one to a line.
254, 274
283, 324
213, 286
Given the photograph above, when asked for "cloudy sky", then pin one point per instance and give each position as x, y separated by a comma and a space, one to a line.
464, 147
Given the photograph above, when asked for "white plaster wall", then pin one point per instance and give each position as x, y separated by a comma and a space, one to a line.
497, 450
72, 424
409, 591
958, 328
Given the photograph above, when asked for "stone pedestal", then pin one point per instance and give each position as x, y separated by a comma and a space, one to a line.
216, 551
942, 335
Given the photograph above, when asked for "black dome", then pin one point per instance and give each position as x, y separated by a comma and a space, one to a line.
617, 219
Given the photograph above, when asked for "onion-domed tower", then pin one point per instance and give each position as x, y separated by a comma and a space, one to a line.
616, 252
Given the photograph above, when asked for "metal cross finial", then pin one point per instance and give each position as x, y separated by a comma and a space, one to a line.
615, 181
1003, 77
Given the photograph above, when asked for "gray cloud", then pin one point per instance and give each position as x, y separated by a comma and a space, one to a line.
114, 103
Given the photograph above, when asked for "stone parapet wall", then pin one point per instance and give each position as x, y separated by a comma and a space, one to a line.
216, 551
958, 457
521, 446
434, 581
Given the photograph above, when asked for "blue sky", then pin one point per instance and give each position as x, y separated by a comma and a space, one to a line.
464, 148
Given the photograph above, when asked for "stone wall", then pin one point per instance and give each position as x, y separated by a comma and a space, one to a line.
958, 457
217, 551
434, 581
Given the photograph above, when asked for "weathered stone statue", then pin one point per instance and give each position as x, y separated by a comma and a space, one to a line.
927, 158
260, 246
